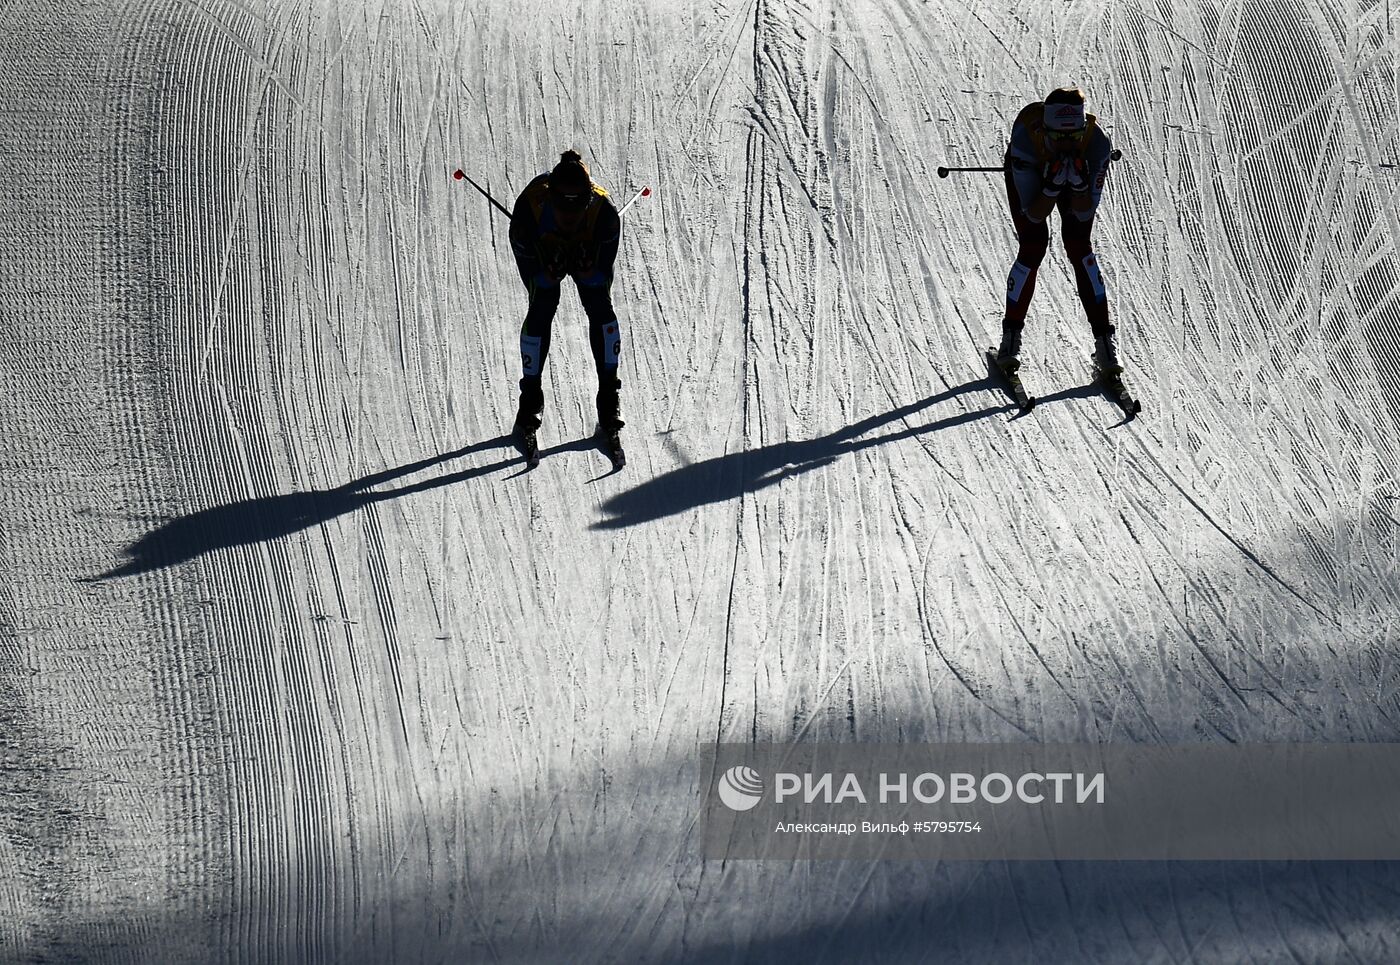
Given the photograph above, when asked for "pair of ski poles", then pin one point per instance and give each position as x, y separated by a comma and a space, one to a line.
944, 172
461, 175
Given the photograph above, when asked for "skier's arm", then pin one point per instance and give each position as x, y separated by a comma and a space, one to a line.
524, 238
1084, 200
600, 251
609, 236
1081, 201
1022, 157
1082, 204
1056, 178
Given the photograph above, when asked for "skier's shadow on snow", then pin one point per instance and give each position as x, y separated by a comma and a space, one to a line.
269, 517
726, 477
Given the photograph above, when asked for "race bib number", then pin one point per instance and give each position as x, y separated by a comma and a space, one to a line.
1091, 268
530, 355
1016, 281
612, 344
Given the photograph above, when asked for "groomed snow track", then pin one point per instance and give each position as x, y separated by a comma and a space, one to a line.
296, 665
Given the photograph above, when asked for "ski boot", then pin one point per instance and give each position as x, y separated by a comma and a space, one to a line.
1005, 360
1008, 355
1109, 372
610, 419
1106, 354
527, 420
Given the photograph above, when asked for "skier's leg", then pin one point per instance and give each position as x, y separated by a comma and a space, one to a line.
1034, 239
534, 348
1077, 235
605, 338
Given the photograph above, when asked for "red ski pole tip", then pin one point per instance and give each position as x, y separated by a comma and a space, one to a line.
458, 175
646, 192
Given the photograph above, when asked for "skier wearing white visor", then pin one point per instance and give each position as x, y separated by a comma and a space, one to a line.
1057, 159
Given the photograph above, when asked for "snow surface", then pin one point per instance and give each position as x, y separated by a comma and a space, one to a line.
295, 665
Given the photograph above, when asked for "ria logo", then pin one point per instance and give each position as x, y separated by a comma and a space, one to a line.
740, 788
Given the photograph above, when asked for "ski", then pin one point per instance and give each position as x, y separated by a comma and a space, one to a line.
1011, 380
529, 447
1112, 383
611, 443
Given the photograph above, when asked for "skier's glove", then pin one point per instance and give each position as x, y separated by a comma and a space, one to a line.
1077, 179
557, 266
1055, 178
581, 260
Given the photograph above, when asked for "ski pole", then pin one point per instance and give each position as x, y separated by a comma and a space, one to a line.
460, 175
944, 172
644, 193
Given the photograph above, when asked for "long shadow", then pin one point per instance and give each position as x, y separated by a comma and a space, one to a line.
1089, 390
726, 477
269, 517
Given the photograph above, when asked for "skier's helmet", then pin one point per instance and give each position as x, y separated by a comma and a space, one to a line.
1065, 118
570, 187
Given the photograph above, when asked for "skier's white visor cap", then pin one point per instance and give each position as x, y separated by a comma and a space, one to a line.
1064, 117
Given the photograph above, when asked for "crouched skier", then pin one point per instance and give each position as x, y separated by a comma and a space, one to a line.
565, 226
1057, 159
